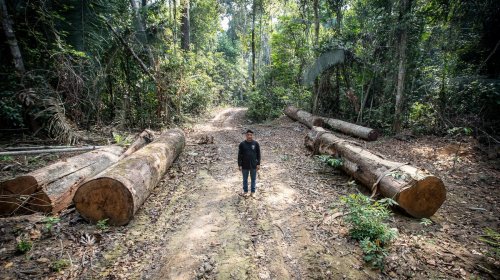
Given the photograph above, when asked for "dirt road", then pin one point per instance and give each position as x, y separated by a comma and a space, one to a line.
203, 229
196, 226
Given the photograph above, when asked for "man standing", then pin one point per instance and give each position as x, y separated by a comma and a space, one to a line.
249, 161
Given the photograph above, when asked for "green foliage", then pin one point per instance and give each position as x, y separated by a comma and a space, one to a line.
59, 265
23, 246
6, 158
50, 222
459, 131
365, 218
333, 162
422, 117
121, 140
102, 224
492, 238
10, 109
425, 222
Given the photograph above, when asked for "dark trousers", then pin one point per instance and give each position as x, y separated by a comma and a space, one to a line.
253, 177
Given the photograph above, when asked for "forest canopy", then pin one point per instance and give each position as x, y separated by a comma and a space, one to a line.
427, 66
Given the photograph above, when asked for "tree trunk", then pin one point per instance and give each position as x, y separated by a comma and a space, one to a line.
416, 191
51, 189
142, 140
403, 38
302, 116
140, 31
11, 39
117, 193
185, 27
316, 22
254, 10
342, 126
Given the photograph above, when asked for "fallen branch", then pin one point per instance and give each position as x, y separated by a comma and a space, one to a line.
50, 151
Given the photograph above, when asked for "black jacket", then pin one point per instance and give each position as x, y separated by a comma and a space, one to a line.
249, 155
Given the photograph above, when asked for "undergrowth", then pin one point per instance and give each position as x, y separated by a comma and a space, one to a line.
365, 218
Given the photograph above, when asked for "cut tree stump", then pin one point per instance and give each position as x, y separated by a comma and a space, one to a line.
304, 117
117, 193
345, 127
51, 188
416, 191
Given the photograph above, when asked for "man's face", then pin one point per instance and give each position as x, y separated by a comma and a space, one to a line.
249, 136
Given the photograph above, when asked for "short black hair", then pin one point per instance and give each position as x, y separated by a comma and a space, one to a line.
249, 131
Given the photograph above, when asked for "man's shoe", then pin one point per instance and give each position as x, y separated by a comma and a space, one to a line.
252, 195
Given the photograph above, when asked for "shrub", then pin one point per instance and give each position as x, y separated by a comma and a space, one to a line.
365, 219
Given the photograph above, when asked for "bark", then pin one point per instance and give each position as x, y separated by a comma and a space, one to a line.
403, 38
185, 27
254, 10
316, 22
51, 189
351, 129
302, 116
142, 140
416, 191
117, 193
342, 126
11, 38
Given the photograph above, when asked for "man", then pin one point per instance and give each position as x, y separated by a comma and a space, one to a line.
249, 161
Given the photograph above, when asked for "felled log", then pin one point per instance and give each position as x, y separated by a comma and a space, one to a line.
49, 151
117, 193
51, 188
142, 140
342, 126
302, 116
351, 129
416, 191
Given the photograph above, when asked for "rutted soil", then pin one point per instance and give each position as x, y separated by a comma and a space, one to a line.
195, 225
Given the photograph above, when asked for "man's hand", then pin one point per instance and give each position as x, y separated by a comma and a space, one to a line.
258, 167
239, 167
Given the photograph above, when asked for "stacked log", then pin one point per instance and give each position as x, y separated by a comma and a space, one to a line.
117, 193
345, 127
50, 189
304, 117
416, 191
351, 129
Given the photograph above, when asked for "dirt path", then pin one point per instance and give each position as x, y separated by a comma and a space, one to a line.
196, 226
203, 229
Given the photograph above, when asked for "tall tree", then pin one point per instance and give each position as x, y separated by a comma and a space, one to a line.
11, 38
405, 7
185, 27
254, 12
140, 30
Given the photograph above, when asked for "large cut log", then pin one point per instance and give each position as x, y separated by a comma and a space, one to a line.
117, 193
416, 191
51, 188
342, 126
351, 129
304, 117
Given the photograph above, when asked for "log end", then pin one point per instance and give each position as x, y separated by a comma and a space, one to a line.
424, 198
372, 135
22, 195
104, 198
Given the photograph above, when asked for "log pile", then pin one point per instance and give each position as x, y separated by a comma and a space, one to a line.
51, 188
416, 191
117, 193
345, 127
